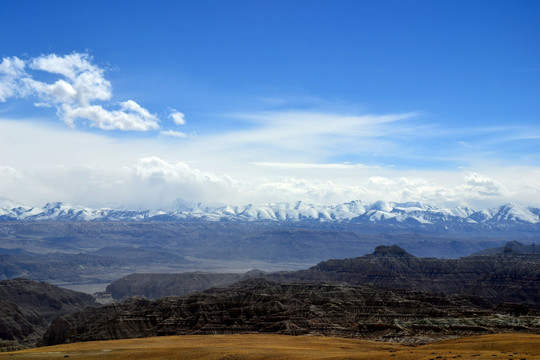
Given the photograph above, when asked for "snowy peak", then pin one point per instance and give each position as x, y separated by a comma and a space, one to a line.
507, 213
408, 213
7, 207
383, 206
513, 212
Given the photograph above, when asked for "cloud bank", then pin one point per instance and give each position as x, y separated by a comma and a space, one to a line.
251, 157
50, 164
155, 183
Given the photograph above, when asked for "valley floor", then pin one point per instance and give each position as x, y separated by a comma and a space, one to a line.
275, 347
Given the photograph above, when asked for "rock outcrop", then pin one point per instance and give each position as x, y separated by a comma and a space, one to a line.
27, 308
260, 305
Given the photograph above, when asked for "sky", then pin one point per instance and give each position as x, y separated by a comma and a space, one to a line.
135, 104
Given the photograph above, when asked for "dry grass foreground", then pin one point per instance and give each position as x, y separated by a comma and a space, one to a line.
257, 346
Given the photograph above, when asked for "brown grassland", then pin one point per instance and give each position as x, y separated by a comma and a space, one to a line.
275, 347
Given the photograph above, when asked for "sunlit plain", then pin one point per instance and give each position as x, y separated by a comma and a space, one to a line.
259, 346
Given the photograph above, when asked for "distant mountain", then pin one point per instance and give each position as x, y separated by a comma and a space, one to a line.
410, 214
512, 247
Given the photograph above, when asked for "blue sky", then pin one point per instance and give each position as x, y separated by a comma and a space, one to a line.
322, 101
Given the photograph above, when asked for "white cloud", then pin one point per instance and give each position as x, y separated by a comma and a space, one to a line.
178, 117
12, 67
81, 84
11, 71
59, 92
481, 186
85, 81
130, 117
293, 124
310, 137
173, 133
69, 66
157, 168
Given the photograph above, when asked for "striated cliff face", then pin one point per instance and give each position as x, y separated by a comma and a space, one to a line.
27, 308
501, 277
260, 305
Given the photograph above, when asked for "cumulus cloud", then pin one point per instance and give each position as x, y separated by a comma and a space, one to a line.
81, 83
128, 118
157, 168
85, 81
178, 117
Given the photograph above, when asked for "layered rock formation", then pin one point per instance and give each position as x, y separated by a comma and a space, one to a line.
27, 308
502, 277
260, 305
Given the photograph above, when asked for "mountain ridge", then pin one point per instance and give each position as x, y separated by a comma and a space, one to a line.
499, 276
407, 213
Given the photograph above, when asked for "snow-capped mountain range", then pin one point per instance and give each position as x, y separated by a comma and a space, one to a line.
411, 213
